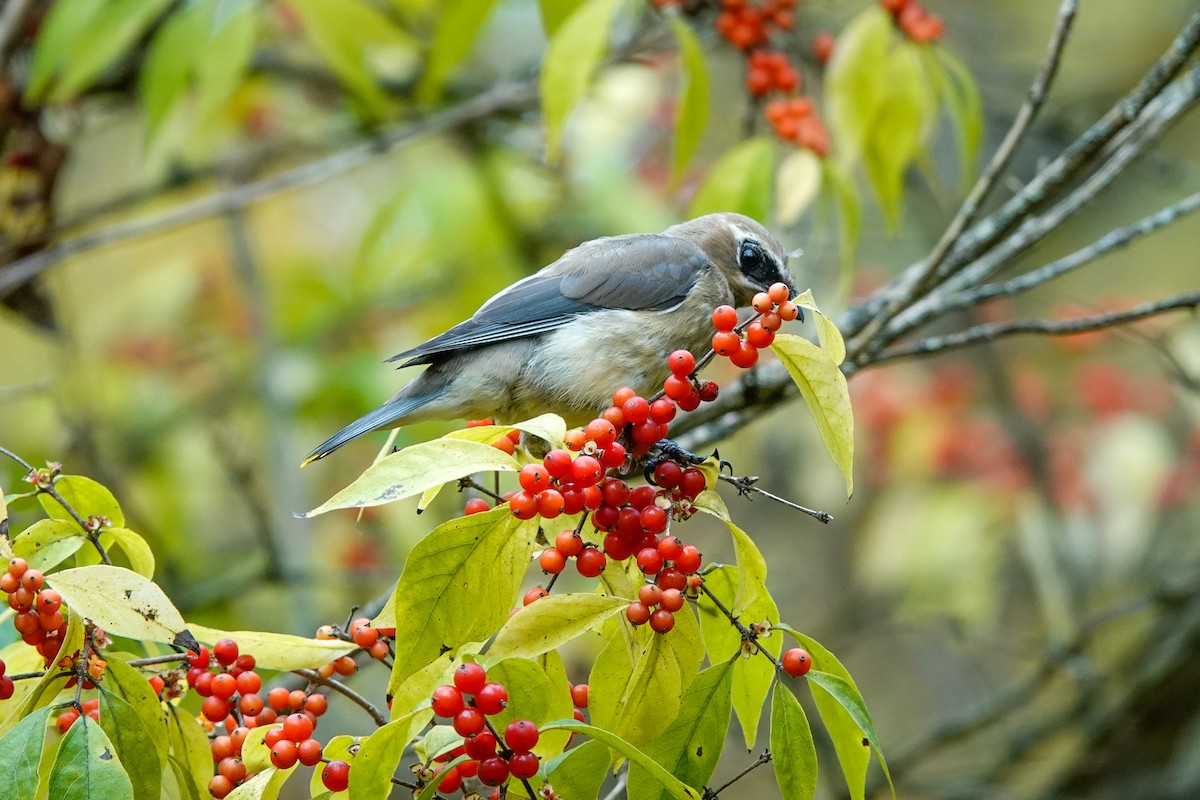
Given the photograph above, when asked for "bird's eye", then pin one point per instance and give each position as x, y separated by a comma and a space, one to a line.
756, 264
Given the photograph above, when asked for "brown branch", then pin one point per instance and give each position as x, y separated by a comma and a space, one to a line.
315, 677
996, 330
764, 758
502, 96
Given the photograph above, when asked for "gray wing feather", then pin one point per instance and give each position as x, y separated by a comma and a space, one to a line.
639, 272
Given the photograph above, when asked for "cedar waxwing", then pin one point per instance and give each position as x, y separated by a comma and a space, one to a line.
605, 315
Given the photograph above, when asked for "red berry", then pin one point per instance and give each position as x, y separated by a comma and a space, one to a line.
642, 496
637, 613
284, 753
277, 698
491, 699
523, 505
469, 721
602, 432
746, 355
336, 776
521, 735
614, 456
788, 311
198, 659
681, 363
550, 503
316, 704
225, 652
762, 302
298, 727
590, 562
579, 695
672, 600
481, 746
709, 391
692, 483
251, 705
649, 561
586, 471
779, 292
447, 701
533, 595
654, 519
670, 548
552, 561
689, 560
223, 685
676, 387
523, 765
662, 620
493, 771
476, 505
533, 478
759, 336
615, 491
215, 708
724, 318
557, 463
671, 579
449, 780
232, 768
796, 662
219, 786
248, 682
771, 321
822, 45
662, 411
568, 543
726, 343
616, 547
470, 677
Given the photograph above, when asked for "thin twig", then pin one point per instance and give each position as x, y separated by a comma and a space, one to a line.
747, 483
1066, 327
1114, 239
153, 660
341, 688
502, 96
470, 483
746, 633
763, 758
923, 281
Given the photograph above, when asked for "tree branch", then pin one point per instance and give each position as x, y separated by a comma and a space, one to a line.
996, 330
502, 96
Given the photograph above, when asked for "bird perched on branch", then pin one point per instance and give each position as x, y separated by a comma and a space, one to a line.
605, 315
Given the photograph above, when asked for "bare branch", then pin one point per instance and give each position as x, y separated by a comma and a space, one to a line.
920, 282
502, 96
315, 677
1114, 239
1066, 327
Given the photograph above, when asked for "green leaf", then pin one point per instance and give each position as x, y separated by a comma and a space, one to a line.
572, 56
552, 622
690, 747
579, 773
87, 766
823, 387
62, 28
739, 181
339, 748
691, 112
797, 182
555, 12
827, 333
854, 81
190, 751
255, 753
414, 692
675, 788
48, 542
46, 688
141, 557
229, 45
134, 744
341, 32
132, 686
847, 729
964, 107
906, 111
120, 601
163, 79
752, 571
416, 468
87, 497
109, 35
21, 756
550, 428
263, 786
281, 651
458, 25
752, 674
457, 586
846, 199
793, 754
534, 696
379, 755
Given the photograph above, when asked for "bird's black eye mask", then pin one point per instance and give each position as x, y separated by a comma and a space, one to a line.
757, 264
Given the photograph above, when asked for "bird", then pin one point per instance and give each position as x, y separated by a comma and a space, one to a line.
603, 316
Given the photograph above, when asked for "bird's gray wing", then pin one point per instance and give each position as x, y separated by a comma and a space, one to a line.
638, 272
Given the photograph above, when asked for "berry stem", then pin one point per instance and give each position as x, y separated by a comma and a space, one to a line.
764, 758
742, 629
92, 534
470, 483
150, 661
315, 677
746, 484
704, 360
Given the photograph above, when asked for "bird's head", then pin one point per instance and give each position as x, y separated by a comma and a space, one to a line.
749, 257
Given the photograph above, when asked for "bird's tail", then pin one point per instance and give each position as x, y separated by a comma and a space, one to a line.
383, 417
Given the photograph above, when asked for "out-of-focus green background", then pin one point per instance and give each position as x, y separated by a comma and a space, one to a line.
1008, 497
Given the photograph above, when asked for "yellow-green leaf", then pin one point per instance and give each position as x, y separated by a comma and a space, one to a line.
86, 497
415, 469
62, 28
792, 748
572, 55
579, 773
963, 105
691, 113
739, 181
551, 428
163, 79
823, 387
108, 36
21, 756
555, 12
552, 622
225, 56
827, 333
797, 182
264, 785
458, 25
134, 744
120, 601
48, 542
87, 766
854, 81
675, 788
378, 755
532, 695
281, 651
141, 557
190, 752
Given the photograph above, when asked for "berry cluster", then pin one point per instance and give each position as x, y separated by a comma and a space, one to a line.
795, 120
468, 702
770, 70
915, 20
90, 709
40, 617
747, 26
774, 309
376, 641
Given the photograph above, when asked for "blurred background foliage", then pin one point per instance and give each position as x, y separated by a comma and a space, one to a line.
1021, 553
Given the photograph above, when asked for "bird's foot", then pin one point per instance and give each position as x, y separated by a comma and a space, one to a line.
668, 450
